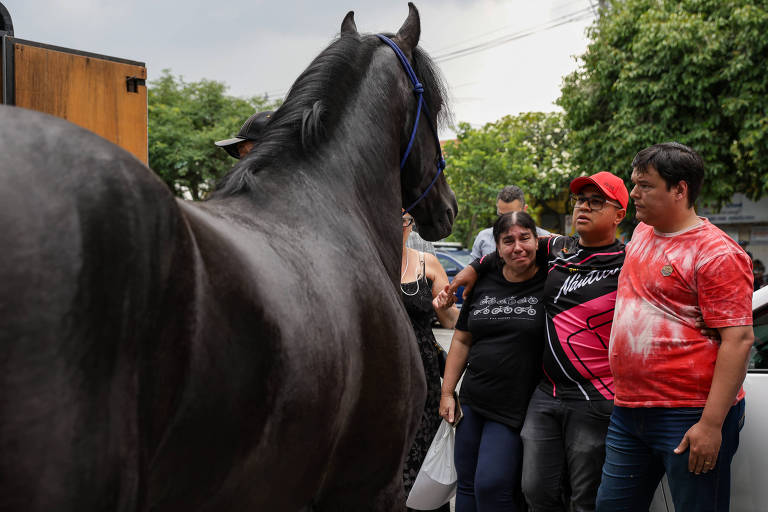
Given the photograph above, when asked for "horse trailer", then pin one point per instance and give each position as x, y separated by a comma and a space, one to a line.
106, 95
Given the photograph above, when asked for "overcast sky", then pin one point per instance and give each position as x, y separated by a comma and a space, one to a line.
258, 47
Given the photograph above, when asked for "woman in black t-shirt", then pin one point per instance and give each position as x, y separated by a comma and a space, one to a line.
499, 340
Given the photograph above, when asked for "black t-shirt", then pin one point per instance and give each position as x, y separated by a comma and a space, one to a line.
506, 321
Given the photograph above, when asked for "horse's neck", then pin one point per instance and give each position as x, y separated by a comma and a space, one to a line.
372, 199
361, 171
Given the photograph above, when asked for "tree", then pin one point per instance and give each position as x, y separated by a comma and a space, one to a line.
185, 119
525, 150
692, 71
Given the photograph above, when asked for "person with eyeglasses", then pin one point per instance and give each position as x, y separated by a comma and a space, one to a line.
569, 411
510, 199
422, 278
497, 345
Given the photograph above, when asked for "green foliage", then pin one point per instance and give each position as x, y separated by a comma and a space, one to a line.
526, 150
692, 71
185, 119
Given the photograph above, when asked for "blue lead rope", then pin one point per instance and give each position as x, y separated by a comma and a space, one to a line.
418, 89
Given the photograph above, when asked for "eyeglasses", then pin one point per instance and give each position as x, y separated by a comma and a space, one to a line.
407, 221
596, 203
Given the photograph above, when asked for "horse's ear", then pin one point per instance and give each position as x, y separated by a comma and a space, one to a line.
408, 36
348, 27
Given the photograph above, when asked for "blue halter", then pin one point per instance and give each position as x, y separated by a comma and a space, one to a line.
418, 90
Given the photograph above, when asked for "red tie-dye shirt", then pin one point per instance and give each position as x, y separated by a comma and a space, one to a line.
658, 357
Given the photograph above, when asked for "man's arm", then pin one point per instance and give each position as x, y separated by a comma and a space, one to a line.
704, 437
477, 247
469, 274
481, 266
466, 278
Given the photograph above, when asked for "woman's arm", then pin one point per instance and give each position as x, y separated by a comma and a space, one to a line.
454, 366
447, 313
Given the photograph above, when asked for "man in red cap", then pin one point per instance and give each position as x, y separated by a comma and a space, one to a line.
567, 418
679, 401
242, 143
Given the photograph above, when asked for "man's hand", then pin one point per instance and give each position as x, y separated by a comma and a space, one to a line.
706, 331
703, 442
444, 299
704, 438
466, 278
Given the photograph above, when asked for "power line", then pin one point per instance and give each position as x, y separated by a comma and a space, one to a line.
465, 84
480, 36
579, 15
572, 17
592, 6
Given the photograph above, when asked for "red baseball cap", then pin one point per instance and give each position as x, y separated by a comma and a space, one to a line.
609, 184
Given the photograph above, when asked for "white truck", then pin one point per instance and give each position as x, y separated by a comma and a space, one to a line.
749, 472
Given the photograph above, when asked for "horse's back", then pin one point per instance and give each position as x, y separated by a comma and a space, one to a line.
78, 217
157, 353
323, 356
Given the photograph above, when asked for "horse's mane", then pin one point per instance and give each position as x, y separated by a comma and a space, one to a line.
312, 109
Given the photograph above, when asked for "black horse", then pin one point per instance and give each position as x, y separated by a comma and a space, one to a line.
246, 353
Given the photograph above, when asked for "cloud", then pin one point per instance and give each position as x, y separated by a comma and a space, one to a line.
262, 46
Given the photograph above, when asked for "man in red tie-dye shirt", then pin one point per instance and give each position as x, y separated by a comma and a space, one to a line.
679, 405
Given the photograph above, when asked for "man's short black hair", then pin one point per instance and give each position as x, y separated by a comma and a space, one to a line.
511, 193
674, 162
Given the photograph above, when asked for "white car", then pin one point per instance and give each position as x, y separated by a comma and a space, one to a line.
749, 471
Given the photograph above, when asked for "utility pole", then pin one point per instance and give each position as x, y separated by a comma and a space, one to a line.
602, 6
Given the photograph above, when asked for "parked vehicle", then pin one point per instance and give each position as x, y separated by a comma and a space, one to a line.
453, 258
749, 471
447, 246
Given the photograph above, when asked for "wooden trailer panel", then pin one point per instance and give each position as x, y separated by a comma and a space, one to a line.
104, 95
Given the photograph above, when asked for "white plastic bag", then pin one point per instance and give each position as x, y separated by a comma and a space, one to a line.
436, 482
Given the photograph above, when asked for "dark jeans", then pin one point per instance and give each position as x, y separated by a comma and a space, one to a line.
488, 458
564, 447
639, 451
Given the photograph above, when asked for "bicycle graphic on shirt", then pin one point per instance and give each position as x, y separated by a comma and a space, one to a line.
507, 305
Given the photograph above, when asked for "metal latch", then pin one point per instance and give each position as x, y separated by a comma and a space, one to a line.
132, 83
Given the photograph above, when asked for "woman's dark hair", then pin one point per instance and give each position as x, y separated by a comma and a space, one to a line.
506, 221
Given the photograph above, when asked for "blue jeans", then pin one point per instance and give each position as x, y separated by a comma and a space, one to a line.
488, 457
639, 450
563, 447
